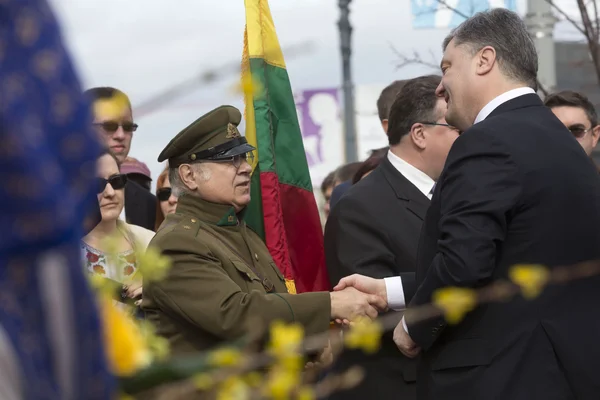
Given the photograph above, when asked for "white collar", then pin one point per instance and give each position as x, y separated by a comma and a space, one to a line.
414, 175
503, 98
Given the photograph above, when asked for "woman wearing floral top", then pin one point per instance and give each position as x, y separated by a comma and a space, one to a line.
109, 249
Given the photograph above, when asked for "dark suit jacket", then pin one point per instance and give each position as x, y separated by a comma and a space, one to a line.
374, 230
140, 206
338, 192
516, 188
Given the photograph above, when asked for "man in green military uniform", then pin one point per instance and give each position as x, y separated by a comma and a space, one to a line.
223, 276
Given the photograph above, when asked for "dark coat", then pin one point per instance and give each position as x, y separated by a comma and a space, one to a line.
373, 230
516, 188
140, 206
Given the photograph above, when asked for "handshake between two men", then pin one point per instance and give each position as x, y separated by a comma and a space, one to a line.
361, 295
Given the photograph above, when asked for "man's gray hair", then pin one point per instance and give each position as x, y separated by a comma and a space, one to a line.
507, 34
177, 186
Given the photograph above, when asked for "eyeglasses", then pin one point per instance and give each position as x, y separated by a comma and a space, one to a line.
113, 126
163, 194
578, 131
235, 160
446, 125
117, 182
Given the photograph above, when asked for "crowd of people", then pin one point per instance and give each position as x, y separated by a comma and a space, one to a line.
480, 174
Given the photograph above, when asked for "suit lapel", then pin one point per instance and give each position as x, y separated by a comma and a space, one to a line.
416, 201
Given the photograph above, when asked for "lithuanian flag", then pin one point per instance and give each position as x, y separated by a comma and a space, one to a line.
283, 210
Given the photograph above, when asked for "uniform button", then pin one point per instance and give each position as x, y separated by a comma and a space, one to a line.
256, 256
193, 220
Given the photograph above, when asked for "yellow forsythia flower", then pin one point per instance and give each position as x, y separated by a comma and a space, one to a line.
281, 383
306, 393
455, 302
225, 358
152, 264
203, 381
249, 85
233, 388
158, 346
285, 339
531, 279
365, 334
253, 379
125, 344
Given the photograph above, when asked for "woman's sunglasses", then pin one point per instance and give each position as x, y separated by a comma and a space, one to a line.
113, 126
163, 194
117, 182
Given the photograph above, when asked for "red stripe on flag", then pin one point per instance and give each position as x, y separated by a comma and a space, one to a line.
293, 233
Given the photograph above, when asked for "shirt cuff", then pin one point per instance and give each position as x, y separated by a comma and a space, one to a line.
395, 293
404, 326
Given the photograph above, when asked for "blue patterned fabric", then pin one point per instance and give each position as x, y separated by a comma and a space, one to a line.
47, 156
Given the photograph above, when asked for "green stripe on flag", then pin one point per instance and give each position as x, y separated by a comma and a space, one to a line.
277, 129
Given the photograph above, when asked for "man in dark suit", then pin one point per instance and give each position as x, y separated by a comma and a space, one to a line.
374, 228
516, 188
113, 120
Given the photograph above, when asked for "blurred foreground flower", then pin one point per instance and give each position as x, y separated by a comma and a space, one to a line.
233, 388
152, 264
126, 346
285, 339
281, 383
306, 393
226, 357
455, 302
203, 381
531, 278
365, 334
249, 85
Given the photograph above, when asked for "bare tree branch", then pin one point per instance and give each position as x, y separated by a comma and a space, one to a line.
415, 59
454, 10
567, 17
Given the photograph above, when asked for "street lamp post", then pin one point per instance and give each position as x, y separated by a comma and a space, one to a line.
346, 49
540, 22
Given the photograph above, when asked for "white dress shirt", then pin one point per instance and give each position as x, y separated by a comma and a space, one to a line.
395, 291
393, 285
503, 98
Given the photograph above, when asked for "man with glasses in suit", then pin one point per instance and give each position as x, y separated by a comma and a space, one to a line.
579, 116
113, 120
374, 229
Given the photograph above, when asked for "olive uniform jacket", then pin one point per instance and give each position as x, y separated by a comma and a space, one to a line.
222, 278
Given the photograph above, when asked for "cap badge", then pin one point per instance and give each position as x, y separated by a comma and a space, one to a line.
232, 132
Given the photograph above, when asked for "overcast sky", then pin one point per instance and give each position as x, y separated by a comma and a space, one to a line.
145, 46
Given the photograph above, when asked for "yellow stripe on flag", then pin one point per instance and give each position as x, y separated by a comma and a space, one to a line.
262, 39
249, 101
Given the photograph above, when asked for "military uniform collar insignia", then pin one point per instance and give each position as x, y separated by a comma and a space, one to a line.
229, 219
219, 214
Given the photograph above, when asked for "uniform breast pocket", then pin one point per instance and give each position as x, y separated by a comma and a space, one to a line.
277, 271
246, 273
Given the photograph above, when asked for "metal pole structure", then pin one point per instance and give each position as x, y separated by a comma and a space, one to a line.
540, 22
349, 112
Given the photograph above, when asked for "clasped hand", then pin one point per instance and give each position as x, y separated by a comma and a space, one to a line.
377, 289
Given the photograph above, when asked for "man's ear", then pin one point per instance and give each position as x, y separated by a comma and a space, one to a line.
595, 135
417, 135
187, 176
486, 59
384, 125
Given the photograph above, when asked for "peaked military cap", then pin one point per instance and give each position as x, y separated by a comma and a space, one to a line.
213, 136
